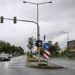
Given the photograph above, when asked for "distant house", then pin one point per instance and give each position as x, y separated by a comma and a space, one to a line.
71, 48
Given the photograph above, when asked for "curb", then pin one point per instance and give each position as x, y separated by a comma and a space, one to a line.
50, 66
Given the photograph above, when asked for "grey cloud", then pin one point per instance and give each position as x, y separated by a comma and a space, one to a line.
67, 4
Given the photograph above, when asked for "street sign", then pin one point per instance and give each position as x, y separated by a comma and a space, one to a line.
46, 51
46, 54
46, 46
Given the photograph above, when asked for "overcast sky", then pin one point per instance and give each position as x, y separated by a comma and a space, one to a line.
53, 18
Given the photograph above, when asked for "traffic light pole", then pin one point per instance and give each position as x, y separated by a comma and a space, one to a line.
15, 20
21, 20
38, 30
37, 4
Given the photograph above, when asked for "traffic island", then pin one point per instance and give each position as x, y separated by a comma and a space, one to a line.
44, 65
41, 63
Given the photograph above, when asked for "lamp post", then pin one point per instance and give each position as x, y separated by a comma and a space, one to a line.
37, 4
67, 35
67, 39
38, 28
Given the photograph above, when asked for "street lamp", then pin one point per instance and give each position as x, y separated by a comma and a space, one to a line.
38, 28
37, 4
67, 39
67, 35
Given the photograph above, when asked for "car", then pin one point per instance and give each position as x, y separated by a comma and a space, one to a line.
10, 55
4, 57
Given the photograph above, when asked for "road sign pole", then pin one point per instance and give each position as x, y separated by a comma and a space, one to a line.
46, 52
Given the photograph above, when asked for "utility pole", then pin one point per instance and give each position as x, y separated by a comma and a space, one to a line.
67, 40
37, 4
38, 28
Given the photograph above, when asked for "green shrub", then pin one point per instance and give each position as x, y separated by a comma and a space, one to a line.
32, 59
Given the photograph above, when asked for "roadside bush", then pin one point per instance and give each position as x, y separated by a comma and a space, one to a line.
32, 59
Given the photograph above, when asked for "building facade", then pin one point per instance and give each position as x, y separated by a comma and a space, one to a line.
71, 48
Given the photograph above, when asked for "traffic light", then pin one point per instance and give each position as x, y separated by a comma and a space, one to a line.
15, 20
1, 19
38, 43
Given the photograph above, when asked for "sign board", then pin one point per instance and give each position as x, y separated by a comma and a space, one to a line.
46, 54
46, 46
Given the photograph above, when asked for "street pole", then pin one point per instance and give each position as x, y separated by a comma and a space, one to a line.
38, 32
38, 28
67, 40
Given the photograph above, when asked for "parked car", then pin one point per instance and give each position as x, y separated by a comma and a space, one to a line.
10, 55
4, 57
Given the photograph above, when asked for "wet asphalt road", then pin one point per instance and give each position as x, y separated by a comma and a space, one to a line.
17, 66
